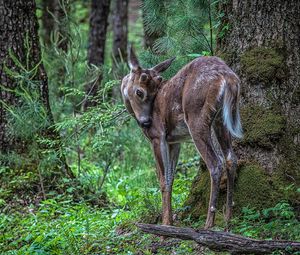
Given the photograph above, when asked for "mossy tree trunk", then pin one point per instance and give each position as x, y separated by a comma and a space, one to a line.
24, 86
260, 40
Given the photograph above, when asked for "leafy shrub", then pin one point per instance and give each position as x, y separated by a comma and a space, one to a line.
278, 222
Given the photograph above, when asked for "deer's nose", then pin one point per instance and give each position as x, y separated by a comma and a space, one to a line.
146, 123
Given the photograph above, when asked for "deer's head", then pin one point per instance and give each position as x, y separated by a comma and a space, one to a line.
139, 88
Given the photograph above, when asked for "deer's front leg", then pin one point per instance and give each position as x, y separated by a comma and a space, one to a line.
166, 157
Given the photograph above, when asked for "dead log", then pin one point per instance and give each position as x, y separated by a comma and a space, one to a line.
222, 241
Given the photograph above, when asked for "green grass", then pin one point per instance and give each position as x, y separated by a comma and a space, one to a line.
68, 224
60, 226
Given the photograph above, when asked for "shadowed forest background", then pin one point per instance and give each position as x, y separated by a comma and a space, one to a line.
76, 172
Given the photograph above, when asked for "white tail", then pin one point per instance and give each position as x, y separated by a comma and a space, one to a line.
231, 114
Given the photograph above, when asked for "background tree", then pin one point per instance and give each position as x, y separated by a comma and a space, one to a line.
120, 41
120, 30
178, 27
54, 22
97, 37
262, 45
25, 116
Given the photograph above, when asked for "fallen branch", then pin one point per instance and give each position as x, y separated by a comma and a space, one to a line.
222, 241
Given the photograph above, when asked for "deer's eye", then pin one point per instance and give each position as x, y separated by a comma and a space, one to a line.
139, 93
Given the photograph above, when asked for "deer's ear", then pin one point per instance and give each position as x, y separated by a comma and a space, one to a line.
163, 66
132, 60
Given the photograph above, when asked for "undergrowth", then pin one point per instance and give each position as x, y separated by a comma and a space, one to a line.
60, 226
114, 184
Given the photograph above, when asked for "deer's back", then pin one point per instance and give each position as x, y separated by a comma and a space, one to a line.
195, 84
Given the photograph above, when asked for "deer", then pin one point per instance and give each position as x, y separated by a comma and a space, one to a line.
201, 98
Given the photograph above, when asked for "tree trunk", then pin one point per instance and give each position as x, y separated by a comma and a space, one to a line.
120, 39
120, 29
260, 40
98, 26
222, 241
19, 51
47, 20
54, 21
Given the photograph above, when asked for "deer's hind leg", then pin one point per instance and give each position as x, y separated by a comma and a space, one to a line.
225, 141
200, 130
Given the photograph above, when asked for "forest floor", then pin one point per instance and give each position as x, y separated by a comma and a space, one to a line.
83, 218
60, 225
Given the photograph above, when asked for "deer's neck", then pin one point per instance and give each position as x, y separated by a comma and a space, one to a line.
167, 111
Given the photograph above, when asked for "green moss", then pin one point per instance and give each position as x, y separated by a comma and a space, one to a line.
253, 189
197, 202
263, 64
261, 125
289, 163
226, 56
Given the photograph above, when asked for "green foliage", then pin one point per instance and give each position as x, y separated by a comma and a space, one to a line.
29, 117
61, 226
261, 125
253, 188
278, 222
182, 26
263, 64
29, 125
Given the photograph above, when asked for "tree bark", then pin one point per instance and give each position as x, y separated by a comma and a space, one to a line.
54, 21
120, 30
48, 22
260, 40
19, 38
222, 241
263, 25
97, 37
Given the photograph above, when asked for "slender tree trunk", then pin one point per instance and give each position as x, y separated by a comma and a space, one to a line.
47, 20
120, 30
54, 21
260, 40
98, 26
19, 40
120, 39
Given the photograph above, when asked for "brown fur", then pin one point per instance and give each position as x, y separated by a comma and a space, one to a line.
187, 106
